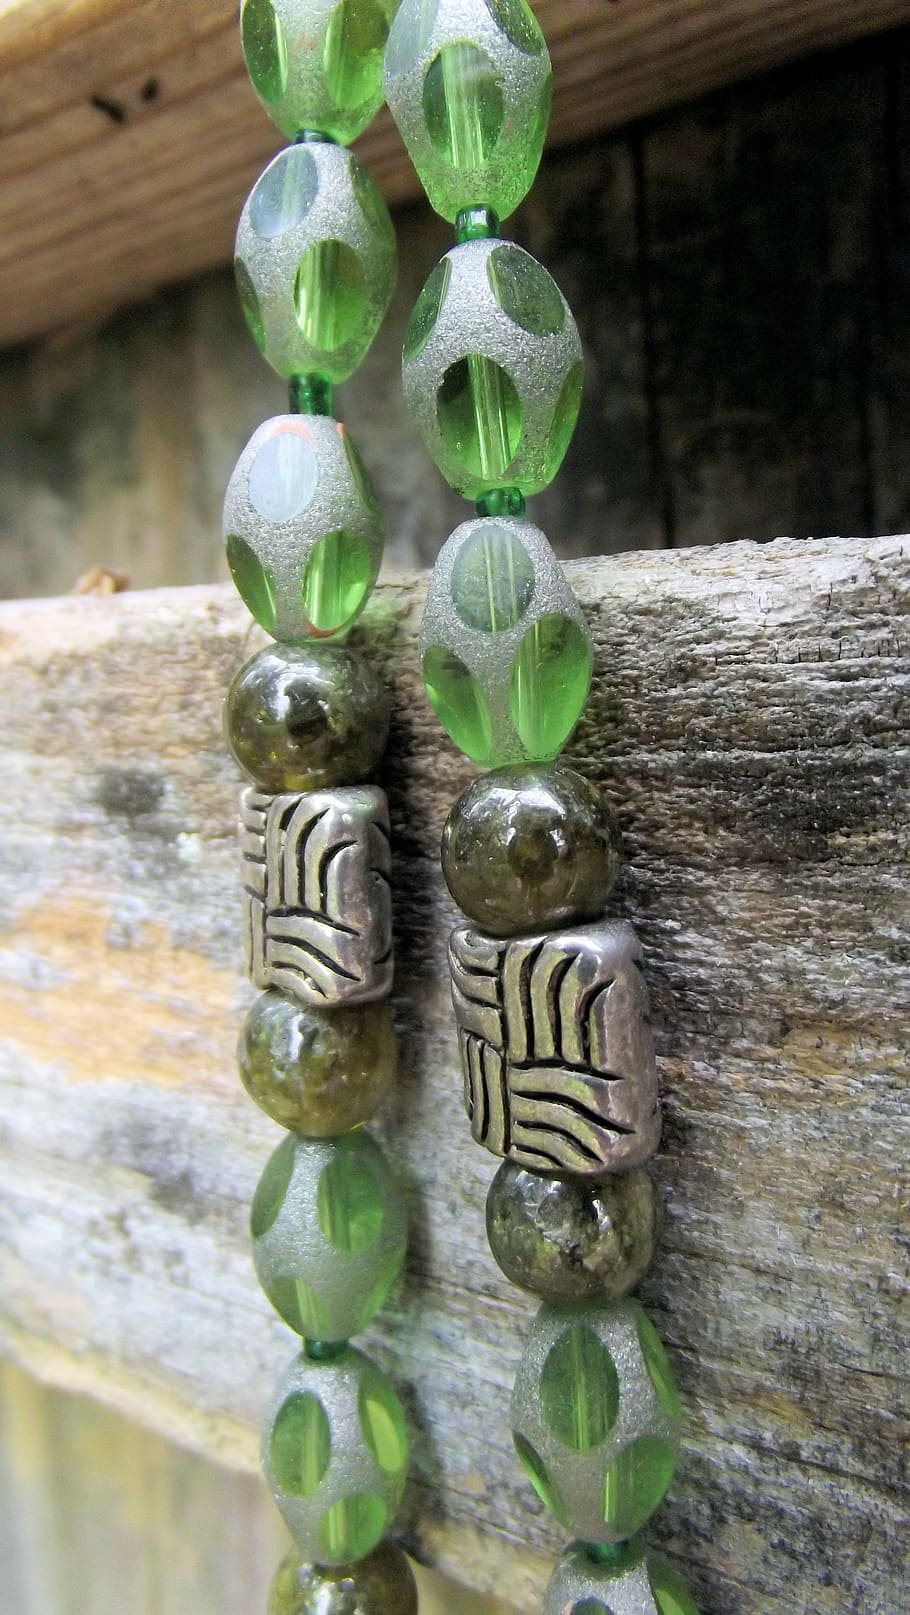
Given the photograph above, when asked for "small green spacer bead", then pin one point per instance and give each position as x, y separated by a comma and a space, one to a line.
310, 395
501, 502
609, 1553
314, 137
476, 224
324, 1351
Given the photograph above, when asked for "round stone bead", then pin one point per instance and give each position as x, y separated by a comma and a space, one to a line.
633, 1581
316, 1072
317, 64
302, 528
493, 369
381, 1584
506, 655
304, 718
315, 261
572, 1239
469, 85
530, 847
334, 1452
329, 1228
596, 1417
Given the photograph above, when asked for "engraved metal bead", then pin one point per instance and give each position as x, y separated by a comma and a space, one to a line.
506, 653
596, 1417
317, 64
302, 528
493, 369
315, 261
469, 85
635, 1582
559, 1066
334, 1453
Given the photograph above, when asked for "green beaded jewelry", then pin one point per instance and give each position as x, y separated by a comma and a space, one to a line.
560, 1077
307, 720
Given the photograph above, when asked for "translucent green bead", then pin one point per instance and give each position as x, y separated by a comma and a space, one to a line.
596, 1417
632, 1581
334, 1451
329, 1229
319, 1072
470, 88
506, 654
317, 64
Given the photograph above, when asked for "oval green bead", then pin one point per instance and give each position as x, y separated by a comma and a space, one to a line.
462, 106
579, 1389
459, 702
300, 1444
636, 1484
337, 577
330, 296
319, 1073
492, 580
551, 677
317, 64
530, 847
573, 1239
381, 1584
480, 419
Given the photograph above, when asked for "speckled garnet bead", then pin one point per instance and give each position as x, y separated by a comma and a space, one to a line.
530, 847
572, 1239
317, 1072
381, 1584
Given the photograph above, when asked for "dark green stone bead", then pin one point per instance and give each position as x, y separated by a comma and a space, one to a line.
530, 847
572, 1240
316, 1072
300, 718
382, 1584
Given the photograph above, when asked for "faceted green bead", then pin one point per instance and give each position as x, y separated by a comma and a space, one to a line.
574, 1239
531, 847
319, 1073
334, 1451
303, 718
470, 88
329, 1229
625, 1580
381, 1584
317, 64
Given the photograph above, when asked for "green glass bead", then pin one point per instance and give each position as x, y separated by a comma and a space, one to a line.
335, 1448
329, 1228
381, 1584
501, 502
316, 1072
470, 88
590, 1410
302, 718
309, 395
551, 676
573, 1239
316, 65
625, 1580
530, 847
459, 702
476, 224
479, 415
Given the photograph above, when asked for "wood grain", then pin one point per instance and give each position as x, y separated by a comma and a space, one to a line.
129, 134
750, 724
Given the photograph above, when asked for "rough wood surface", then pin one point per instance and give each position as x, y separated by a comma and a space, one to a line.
750, 723
129, 134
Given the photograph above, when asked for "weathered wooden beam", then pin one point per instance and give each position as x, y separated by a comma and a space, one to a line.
750, 722
129, 134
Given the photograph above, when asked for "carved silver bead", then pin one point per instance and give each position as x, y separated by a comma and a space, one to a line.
302, 528
493, 369
315, 261
318, 904
637, 1583
556, 1048
334, 1453
505, 650
469, 85
596, 1417
317, 64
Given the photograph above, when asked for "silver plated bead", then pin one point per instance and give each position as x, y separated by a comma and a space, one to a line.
492, 321
302, 528
638, 1582
505, 650
315, 260
482, 66
556, 1048
334, 1454
329, 1227
318, 904
317, 64
596, 1418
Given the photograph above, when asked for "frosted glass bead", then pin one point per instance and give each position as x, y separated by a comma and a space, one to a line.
469, 85
317, 64
634, 1581
596, 1417
315, 261
493, 369
505, 651
329, 1228
334, 1452
302, 528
